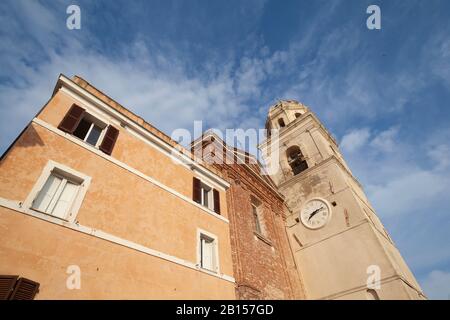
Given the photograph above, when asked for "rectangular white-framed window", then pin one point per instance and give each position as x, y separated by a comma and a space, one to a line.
90, 130
58, 192
205, 195
207, 199
208, 253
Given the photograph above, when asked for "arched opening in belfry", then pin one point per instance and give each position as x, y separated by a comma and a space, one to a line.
281, 123
296, 160
297, 115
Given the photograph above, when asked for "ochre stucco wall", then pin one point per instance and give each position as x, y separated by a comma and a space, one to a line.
132, 151
43, 251
117, 202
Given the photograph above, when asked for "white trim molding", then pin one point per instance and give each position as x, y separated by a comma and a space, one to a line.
52, 166
126, 167
18, 207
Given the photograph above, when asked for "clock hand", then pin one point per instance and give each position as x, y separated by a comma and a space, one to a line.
314, 213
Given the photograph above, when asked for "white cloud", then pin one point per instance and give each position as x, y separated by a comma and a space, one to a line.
394, 183
165, 96
385, 140
412, 192
440, 154
355, 139
437, 285
149, 82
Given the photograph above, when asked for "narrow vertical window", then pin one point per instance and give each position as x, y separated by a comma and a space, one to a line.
257, 215
281, 123
208, 253
256, 219
207, 196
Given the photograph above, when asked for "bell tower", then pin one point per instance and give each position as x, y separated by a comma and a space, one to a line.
341, 247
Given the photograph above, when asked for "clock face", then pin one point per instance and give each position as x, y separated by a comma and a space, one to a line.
315, 214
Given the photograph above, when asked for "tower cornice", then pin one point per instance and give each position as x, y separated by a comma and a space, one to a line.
293, 126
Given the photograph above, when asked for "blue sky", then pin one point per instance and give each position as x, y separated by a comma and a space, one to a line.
384, 94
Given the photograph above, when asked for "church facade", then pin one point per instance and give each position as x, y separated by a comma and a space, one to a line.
96, 203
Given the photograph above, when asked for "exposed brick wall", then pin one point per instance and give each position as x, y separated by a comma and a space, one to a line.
263, 266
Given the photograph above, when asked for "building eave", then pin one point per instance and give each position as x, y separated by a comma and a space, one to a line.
162, 141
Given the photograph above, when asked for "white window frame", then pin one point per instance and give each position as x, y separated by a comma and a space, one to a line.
94, 121
216, 265
68, 173
210, 195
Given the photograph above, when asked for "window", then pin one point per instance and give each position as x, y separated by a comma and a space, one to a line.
56, 196
208, 256
255, 210
281, 123
268, 129
296, 160
297, 115
58, 192
89, 129
206, 196
206, 199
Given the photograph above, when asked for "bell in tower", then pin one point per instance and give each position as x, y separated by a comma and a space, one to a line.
340, 245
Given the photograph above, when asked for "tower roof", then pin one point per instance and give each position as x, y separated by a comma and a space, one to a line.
287, 105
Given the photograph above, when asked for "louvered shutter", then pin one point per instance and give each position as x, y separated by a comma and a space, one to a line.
109, 140
216, 201
71, 119
25, 290
7, 286
197, 191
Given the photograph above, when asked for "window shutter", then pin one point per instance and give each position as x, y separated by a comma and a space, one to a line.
71, 119
208, 254
109, 140
216, 201
25, 290
196, 191
7, 286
